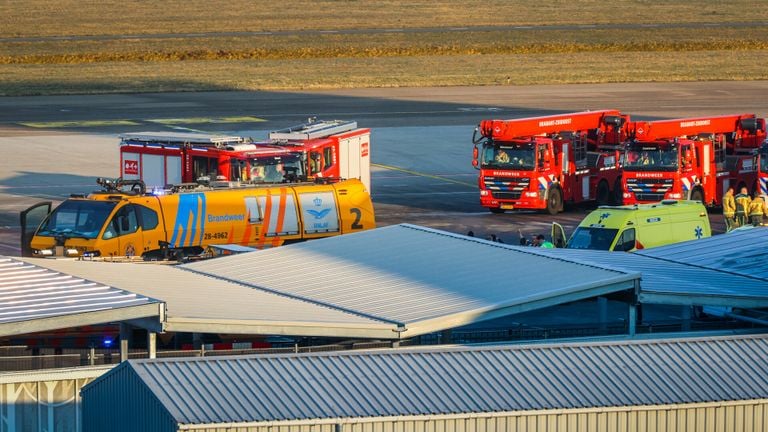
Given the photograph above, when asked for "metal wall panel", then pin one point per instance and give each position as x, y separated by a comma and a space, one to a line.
452, 381
43, 401
122, 403
747, 416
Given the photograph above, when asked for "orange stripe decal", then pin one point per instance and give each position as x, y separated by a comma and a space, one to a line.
265, 222
280, 216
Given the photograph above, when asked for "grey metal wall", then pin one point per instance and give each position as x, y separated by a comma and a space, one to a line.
43, 401
122, 403
725, 417
696, 418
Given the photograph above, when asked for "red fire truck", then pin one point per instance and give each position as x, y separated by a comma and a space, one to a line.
317, 149
691, 158
762, 173
543, 162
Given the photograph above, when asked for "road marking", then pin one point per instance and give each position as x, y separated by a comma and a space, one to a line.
416, 173
81, 123
200, 120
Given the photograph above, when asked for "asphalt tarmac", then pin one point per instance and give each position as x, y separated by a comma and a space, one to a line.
421, 139
421, 147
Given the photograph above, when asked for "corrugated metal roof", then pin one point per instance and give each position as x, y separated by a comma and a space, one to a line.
33, 293
417, 276
199, 303
743, 251
460, 380
676, 282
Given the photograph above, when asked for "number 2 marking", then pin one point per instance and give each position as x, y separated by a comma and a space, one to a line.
358, 215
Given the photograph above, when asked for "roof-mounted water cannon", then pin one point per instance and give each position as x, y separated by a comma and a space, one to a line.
119, 185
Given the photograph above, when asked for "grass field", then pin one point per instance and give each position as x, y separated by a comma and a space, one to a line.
126, 57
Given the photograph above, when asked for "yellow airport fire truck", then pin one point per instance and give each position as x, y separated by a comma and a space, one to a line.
124, 220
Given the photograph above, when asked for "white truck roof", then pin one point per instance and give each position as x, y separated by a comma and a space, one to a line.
181, 138
313, 129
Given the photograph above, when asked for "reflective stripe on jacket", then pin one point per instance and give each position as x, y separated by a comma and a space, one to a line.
742, 204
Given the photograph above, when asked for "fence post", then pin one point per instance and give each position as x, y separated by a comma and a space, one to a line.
92, 356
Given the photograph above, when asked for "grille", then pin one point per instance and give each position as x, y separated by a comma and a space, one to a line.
506, 188
506, 195
649, 196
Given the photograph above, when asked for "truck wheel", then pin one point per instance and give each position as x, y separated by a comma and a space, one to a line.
697, 195
603, 194
554, 201
496, 210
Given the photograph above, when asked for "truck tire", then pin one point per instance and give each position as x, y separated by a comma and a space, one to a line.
554, 201
603, 194
698, 195
496, 210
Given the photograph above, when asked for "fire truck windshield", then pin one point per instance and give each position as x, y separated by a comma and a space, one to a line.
277, 169
77, 219
651, 158
764, 160
592, 238
508, 157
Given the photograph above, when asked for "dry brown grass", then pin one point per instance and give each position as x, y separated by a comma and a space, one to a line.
220, 61
519, 69
91, 17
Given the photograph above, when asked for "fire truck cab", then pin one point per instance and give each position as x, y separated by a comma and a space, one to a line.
691, 159
317, 149
543, 162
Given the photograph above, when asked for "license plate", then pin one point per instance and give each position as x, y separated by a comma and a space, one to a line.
507, 207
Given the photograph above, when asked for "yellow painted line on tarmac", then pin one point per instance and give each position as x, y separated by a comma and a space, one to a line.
201, 120
416, 173
82, 123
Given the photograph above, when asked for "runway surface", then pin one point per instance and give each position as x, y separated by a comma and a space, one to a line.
421, 138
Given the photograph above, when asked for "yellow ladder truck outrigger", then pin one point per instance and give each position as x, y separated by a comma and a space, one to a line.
178, 223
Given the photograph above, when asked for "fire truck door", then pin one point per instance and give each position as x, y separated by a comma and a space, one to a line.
558, 235
31, 219
122, 236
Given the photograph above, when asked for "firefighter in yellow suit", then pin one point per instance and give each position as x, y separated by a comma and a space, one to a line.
756, 210
742, 206
729, 209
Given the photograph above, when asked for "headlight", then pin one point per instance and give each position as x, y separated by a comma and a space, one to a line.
484, 193
531, 194
675, 195
72, 252
627, 195
44, 252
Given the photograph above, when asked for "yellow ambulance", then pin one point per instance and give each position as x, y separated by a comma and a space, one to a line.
640, 226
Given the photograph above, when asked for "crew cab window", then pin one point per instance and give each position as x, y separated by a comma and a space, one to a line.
148, 218
205, 167
328, 157
315, 162
123, 222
